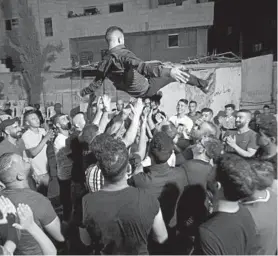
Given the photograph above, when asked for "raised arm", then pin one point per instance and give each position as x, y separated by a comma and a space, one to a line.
132, 131
27, 223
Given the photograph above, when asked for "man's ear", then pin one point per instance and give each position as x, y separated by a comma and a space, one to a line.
273, 139
20, 177
218, 185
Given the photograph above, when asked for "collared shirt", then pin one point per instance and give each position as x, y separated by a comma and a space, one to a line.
229, 122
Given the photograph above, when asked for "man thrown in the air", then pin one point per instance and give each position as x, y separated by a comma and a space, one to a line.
140, 79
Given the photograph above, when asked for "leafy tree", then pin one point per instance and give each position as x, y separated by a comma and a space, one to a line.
24, 43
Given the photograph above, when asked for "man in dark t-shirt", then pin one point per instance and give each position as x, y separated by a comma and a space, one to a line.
231, 229
119, 218
13, 173
243, 140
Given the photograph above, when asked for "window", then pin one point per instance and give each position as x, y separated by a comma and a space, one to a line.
166, 2
8, 25
173, 40
257, 47
229, 30
48, 27
91, 11
116, 7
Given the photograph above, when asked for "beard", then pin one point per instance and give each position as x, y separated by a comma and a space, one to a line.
240, 125
17, 135
66, 127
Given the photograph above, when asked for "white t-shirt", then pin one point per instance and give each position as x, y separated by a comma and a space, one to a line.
64, 164
186, 121
32, 140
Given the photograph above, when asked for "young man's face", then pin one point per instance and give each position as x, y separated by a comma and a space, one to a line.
14, 131
33, 121
266, 111
207, 116
242, 119
192, 108
181, 107
229, 111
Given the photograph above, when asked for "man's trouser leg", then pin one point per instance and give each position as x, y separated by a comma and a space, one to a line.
65, 198
157, 83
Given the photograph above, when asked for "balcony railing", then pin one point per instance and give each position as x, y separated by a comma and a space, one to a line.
94, 11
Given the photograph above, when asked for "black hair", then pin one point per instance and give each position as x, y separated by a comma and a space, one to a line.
112, 157
193, 101
185, 101
170, 129
264, 173
236, 177
110, 31
207, 110
161, 147
231, 106
266, 106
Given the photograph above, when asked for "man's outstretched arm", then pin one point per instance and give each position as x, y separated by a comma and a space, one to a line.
102, 71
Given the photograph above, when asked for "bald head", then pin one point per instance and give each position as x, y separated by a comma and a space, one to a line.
13, 169
79, 121
114, 36
203, 129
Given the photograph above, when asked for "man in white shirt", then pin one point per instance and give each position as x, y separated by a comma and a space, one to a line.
64, 164
35, 140
182, 118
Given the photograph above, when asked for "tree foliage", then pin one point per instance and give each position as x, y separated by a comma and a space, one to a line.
34, 59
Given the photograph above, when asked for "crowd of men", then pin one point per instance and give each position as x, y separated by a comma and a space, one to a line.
133, 180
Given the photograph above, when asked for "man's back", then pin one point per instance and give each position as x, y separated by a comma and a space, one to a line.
227, 234
119, 222
43, 211
166, 184
264, 213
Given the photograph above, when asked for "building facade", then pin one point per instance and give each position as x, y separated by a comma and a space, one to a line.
167, 30
247, 28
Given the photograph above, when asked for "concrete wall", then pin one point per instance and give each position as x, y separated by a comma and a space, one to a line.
227, 89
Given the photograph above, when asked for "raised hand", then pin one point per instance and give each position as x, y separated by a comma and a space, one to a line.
138, 107
179, 75
26, 217
106, 102
6, 207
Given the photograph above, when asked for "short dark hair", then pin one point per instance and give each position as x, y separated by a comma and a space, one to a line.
112, 157
214, 148
266, 106
246, 111
161, 147
193, 101
6, 161
28, 113
185, 101
89, 133
170, 129
207, 110
269, 130
231, 106
236, 177
110, 31
264, 173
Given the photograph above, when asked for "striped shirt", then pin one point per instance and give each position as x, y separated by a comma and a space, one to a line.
94, 178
